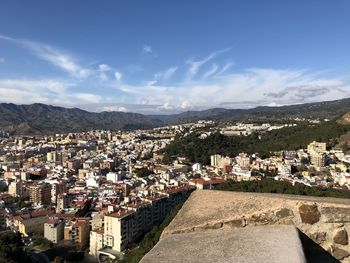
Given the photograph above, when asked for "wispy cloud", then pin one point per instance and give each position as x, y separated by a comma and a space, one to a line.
57, 92
195, 65
197, 84
2, 60
103, 70
53, 55
166, 74
118, 76
88, 97
59, 59
249, 88
146, 49
225, 68
114, 108
214, 68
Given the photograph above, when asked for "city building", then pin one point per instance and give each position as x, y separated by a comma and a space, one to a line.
243, 160
77, 231
15, 188
40, 194
54, 229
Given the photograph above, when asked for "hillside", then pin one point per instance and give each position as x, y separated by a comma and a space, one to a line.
46, 119
288, 138
317, 110
344, 119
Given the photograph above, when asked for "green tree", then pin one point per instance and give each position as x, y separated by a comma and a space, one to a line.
288, 138
268, 185
142, 172
11, 248
42, 243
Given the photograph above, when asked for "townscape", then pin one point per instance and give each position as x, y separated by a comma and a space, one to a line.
101, 191
174, 131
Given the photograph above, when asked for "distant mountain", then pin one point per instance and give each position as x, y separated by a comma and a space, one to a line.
45, 119
317, 110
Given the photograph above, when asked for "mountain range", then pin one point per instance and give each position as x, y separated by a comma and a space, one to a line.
46, 119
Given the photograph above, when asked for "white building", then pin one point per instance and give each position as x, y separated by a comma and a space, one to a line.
196, 167
91, 180
15, 189
114, 177
284, 169
96, 241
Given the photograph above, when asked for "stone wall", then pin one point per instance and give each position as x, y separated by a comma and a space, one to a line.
325, 220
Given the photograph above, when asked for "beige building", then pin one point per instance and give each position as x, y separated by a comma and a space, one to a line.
316, 147
96, 241
130, 222
40, 194
215, 160
52, 156
243, 160
118, 229
96, 221
78, 231
57, 189
53, 230
317, 154
318, 159
15, 188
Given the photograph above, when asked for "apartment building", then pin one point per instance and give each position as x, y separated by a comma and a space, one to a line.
15, 188
78, 231
54, 229
129, 222
96, 241
317, 154
243, 160
40, 194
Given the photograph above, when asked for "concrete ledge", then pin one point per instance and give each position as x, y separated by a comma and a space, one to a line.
325, 221
207, 208
272, 244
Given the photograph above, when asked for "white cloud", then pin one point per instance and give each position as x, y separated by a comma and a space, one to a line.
185, 105
114, 108
151, 83
52, 55
166, 74
211, 71
146, 49
241, 89
250, 88
225, 68
104, 67
87, 98
118, 76
34, 85
27, 91
60, 60
167, 106
196, 65
103, 70
2, 60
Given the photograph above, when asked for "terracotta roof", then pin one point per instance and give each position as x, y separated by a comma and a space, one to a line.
121, 213
204, 182
179, 189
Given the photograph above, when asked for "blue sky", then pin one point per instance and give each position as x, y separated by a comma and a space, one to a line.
172, 56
